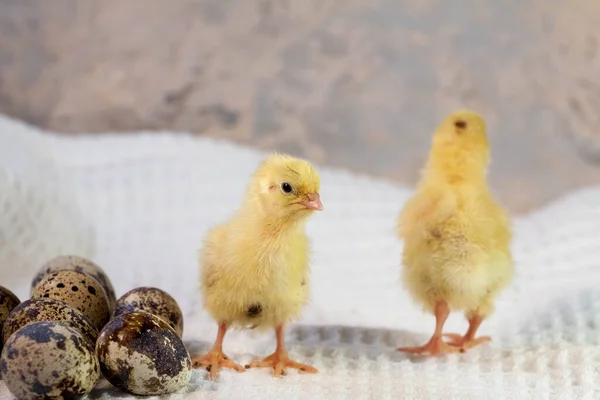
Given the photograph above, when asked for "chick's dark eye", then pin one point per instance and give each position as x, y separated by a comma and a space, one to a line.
286, 187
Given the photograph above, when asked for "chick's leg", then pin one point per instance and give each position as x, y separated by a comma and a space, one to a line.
468, 340
435, 346
215, 359
280, 360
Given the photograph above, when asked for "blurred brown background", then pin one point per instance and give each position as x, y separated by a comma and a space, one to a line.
351, 83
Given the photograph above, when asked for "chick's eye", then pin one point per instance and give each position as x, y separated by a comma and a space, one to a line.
286, 187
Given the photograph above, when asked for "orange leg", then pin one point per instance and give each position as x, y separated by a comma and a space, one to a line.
215, 359
280, 360
468, 340
435, 346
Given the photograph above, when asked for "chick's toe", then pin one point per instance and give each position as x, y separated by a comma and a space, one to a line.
214, 361
465, 343
435, 347
280, 361
468, 340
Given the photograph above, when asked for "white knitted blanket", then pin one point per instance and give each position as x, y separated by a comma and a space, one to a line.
139, 205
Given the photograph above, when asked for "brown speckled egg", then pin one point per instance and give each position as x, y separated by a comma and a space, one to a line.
48, 360
45, 309
141, 354
79, 264
8, 301
78, 290
152, 300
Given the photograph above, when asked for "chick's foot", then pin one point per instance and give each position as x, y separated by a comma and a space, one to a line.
469, 340
280, 361
213, 361
435, 347
463, 343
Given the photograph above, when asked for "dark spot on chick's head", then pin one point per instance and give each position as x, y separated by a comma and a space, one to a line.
460, 124
254, 310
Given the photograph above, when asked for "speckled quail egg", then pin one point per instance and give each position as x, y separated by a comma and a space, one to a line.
141, 354
78, 290
79, 264
152, 300
48, 360
8, 301
46, 309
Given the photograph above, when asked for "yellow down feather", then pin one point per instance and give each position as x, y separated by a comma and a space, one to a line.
255, 267
456, 237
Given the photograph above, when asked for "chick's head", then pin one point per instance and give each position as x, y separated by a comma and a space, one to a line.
460, 141
287, 187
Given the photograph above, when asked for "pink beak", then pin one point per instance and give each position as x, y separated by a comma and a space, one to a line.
313, 202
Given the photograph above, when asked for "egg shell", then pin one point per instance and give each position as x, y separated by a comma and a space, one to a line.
46, 360
46, 309
79, 290
8, 301
152, 300
141, 354
79, 264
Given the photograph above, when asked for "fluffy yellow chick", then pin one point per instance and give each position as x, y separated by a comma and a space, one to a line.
456, 237
255, 267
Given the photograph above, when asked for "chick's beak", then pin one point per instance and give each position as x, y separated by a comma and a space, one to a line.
313, 202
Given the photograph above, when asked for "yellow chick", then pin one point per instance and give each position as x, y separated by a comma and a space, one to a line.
456, 237
255, 267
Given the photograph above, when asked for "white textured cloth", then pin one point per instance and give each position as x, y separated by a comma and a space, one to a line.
139, 205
